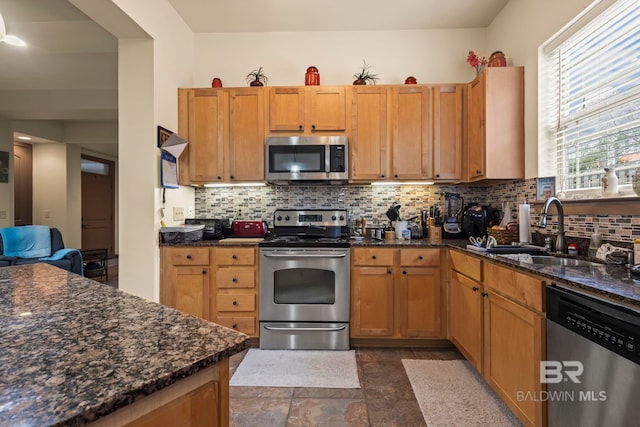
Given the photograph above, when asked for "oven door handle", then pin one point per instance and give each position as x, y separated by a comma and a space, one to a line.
305, 255
280, 328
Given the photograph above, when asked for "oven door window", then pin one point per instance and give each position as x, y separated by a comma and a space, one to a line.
304, 286
296, 158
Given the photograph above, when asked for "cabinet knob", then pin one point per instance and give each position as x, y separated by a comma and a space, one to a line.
437, 175
235, 303
313, 127
300, 127
234, 280
420, 257
234, 326
484, 294
475, 289
404, 271
388, 271
204, 271
219, 177
234, 257
395, 176
232, 177
188, 256
478, 172
381, 176
373, 257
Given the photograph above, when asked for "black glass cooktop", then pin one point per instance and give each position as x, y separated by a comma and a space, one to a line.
308, 241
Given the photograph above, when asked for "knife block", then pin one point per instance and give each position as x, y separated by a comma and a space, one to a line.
435, 234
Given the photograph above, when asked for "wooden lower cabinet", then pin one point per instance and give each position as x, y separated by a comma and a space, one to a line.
395, 293
185, 280
465, 317
497, 323
234, 303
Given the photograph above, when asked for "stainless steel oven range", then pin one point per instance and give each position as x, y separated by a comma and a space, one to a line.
305, 281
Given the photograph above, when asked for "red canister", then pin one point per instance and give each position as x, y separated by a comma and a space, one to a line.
312, 77
216, 82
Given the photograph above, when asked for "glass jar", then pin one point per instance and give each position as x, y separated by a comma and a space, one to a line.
312, 77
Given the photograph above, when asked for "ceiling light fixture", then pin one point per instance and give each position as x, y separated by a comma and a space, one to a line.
25, 138
8, 38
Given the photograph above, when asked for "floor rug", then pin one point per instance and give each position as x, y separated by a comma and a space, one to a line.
451, 393
297, 368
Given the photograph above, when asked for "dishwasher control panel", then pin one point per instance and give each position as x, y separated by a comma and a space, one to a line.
612, 326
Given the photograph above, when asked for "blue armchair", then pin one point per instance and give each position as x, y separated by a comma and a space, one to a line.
12, 251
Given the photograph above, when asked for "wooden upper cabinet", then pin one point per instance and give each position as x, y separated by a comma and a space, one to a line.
369, 143
495, 148
411, 132
286, 109
447, 132
245, 147
308, 109
327, 109
202, 113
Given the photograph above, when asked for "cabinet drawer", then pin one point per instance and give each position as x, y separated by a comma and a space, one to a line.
246, 325
372, 256
235, 256
235, 302
189, 256
466, 264
520, 287
420, 257
236, 277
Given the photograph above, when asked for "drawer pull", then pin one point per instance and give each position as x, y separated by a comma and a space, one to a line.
475, 289
234, 257
373, 257
420, 257
234, 280
188, 256
235, 303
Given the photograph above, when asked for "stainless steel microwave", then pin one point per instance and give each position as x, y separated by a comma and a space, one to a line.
307, 159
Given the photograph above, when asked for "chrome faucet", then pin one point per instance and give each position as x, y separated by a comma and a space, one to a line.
561, 243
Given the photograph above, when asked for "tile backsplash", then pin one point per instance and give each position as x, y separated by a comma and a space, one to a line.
372, 202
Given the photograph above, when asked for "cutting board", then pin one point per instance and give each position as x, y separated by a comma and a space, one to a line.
242, 240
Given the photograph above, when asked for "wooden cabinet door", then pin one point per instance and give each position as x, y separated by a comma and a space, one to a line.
372, 302
286, 109
513, 345
419, 302
369, 144
190, 290
245, 146
411, 134
206, 113
465, 317
447, 132
327, 109
475, 142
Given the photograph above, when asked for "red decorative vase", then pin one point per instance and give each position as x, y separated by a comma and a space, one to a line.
410, 80
312, 77
359, 82
497, 59
256, 83
216, 82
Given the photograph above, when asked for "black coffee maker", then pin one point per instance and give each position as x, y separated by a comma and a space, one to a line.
476, 219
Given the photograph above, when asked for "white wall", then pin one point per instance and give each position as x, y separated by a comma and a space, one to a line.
520, 28
432, 56
50, 187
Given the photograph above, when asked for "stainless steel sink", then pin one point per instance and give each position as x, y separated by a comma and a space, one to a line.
553, 260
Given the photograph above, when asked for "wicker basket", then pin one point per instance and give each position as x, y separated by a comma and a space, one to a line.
504, 237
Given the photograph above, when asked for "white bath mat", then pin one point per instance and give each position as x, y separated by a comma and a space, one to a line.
451, 393
297, 368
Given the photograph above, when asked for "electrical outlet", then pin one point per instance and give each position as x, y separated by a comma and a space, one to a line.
3, 214
240, 212
47, 213
178, 214
190, 212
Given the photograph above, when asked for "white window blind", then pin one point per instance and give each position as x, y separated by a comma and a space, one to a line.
593, 98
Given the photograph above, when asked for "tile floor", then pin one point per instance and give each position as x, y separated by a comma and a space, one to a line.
385, 399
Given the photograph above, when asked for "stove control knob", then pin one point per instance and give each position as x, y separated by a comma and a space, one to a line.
333, 218
341, 218
286, 218
279, 218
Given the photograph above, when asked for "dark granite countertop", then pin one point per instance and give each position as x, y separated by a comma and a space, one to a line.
73, 350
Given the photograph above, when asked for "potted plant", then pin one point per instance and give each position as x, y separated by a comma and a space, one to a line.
257, 78
364, 76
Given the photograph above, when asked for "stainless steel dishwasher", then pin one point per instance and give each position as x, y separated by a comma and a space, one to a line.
593, 360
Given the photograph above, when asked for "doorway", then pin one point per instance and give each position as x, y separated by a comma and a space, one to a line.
23, 183
98, 200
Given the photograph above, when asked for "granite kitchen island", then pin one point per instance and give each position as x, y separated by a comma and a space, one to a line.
74, 351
